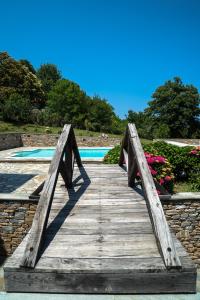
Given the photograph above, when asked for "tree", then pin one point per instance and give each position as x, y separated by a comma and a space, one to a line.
143, 123
69, 102
101, 114
27, 64
49, 75
17, 109
15, 77
177, 106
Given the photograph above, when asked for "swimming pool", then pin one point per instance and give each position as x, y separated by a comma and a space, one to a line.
85, 153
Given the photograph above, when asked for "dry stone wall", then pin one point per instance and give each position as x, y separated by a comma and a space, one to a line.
48, 140
10, 140
15, 220
184, 219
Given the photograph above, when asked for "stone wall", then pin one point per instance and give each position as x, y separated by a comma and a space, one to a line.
15, 220
184, 219
48, 140
10, 140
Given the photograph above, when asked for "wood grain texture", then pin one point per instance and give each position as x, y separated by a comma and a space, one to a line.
98, 240
159, 223
44, 206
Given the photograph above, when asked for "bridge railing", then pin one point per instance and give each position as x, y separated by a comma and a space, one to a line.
132, 155
62, 162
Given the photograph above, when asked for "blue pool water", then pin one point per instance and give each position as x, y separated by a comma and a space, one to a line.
48, 153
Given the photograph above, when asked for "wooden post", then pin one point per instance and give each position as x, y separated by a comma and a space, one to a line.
122, 158
132, 166
40, 220
157, 216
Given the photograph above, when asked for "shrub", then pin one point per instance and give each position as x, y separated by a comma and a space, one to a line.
112, 157
182, 163
161, 170
17, 109
159, 166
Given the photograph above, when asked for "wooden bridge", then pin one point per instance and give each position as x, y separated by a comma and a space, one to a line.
96, 232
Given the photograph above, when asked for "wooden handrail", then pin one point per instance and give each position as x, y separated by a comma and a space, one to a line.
67, 147
132, 155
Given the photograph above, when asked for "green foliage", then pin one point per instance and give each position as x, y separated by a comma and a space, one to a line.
161, 131
143, 123
112, 157
16, 109
27, 64
49, 75
180, 162
177, 106
100, 114
69, 102
15, 77
185, 166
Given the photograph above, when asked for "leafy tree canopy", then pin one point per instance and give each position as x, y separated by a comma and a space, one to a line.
49, 75
101, 114
15, 77
17, 109
177, 106
69, 101
27, 64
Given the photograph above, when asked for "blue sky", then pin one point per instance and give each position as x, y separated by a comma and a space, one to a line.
119, 49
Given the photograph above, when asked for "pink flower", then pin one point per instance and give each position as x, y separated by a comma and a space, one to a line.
150, 160
168, 178
148, 155
193, 152
159, 159
162, 181
153, 172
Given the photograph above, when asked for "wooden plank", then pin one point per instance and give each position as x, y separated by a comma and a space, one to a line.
41, 216
103, 283
159, 223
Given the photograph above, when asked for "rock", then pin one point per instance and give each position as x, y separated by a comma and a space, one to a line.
186, 223
19, 215
8, 229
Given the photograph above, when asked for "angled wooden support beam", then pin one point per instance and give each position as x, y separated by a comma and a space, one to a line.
40, 220
157, 216
123, 158
75, 150
132, 166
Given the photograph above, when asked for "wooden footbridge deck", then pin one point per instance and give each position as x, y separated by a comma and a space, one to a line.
92, 233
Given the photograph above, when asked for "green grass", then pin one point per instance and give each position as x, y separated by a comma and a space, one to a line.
6, 127
182, 187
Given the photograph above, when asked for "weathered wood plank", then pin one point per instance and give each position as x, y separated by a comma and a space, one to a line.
159, 223
150, 282
42, 213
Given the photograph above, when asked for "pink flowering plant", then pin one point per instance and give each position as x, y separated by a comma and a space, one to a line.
161, 170
195, 151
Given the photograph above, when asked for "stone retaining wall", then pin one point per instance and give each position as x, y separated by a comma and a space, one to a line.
184, 219
15, 220
10, 140
48, 140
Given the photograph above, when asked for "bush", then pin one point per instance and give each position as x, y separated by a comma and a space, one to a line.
112, 157
194, 176
17, 109
159, 166
182, 163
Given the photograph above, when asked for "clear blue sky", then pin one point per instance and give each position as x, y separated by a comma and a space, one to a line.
119, 49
